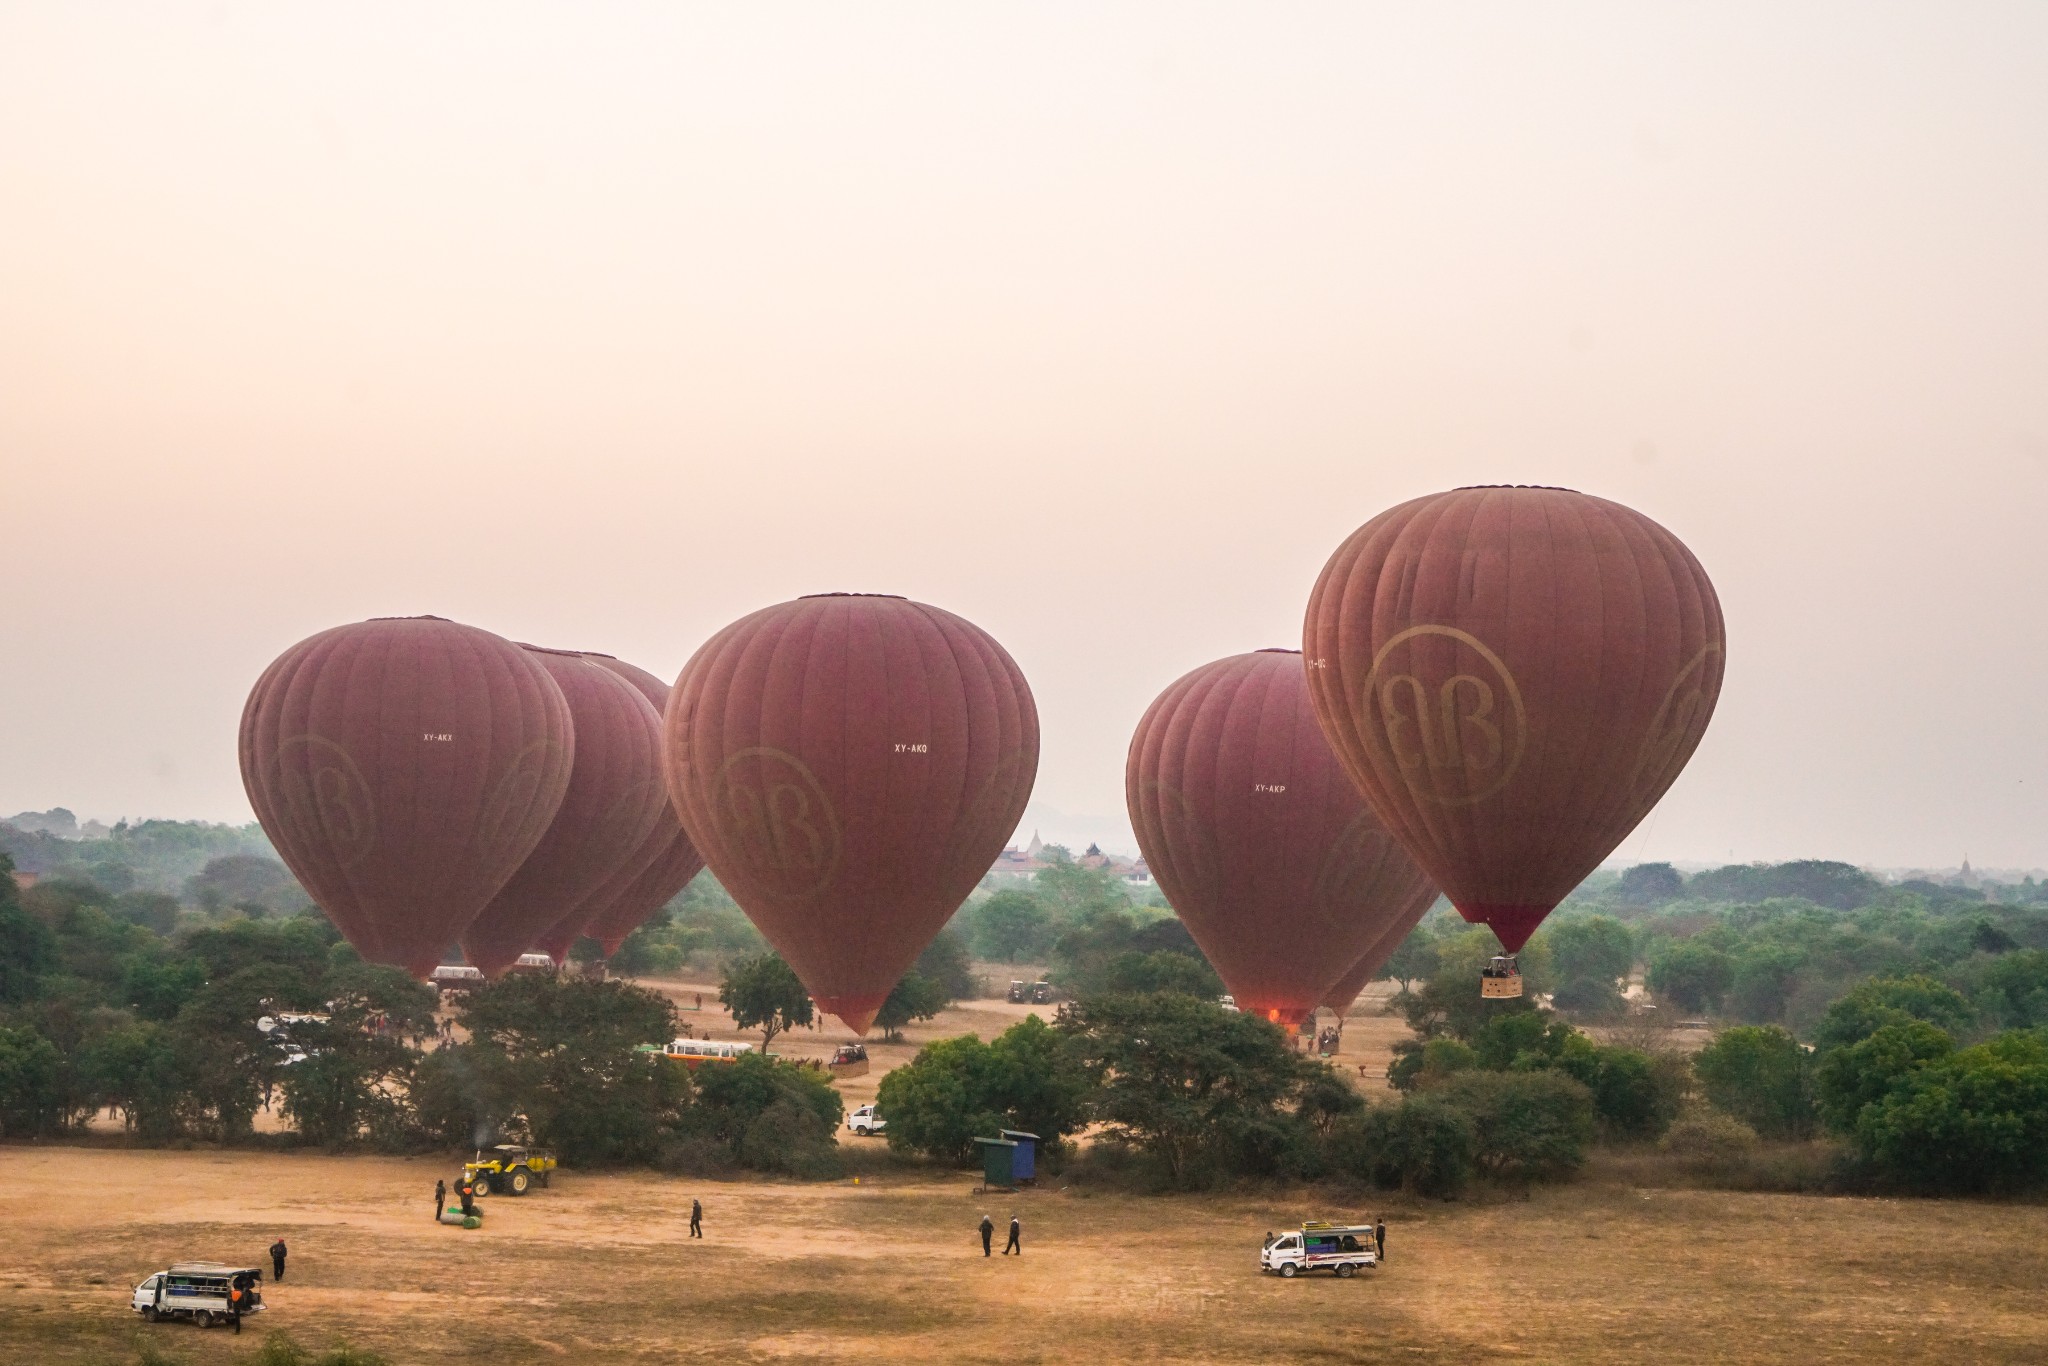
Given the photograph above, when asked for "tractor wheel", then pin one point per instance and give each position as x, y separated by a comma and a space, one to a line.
518, 1180
481, 1184
1289, 1270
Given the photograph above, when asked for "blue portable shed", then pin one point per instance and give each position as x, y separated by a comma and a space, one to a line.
1023, 1157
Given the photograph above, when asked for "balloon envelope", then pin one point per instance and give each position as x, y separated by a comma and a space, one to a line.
613, 803
1514, 676
1353, 983
1256, 834
850, 766
405, 768
617, 909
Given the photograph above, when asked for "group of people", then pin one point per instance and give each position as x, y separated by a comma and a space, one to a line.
240, 1287
465, 1192
988, 1234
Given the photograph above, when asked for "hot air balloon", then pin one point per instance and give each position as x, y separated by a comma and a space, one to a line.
1256, 834
601, 835
1514, 676
404, 768
850, 766
617, 909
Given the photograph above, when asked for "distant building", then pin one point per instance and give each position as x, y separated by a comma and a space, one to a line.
1030, 861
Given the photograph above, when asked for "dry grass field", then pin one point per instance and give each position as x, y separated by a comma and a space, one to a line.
599, 1268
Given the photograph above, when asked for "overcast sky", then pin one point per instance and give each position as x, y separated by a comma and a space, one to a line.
1101, 325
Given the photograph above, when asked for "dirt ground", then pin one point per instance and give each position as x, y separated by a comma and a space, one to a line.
600, 1268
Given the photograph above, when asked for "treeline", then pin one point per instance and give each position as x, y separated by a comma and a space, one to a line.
1088, 927
154, 864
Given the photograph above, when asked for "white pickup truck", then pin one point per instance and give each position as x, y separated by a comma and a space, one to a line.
865, 1121
197, 1290
1341, 1248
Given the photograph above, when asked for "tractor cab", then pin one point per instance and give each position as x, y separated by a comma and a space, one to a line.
1501, 979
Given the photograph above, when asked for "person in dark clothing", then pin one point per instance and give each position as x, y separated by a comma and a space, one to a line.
277, 1251
235, 1308
988, 1233
696, 1219
1016, 1243
467, 1194
440, 1199
1379, 1239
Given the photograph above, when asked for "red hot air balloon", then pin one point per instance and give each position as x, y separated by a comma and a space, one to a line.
602, 832
849, 766
617, 909
1278, 869
404, 768
1514, 676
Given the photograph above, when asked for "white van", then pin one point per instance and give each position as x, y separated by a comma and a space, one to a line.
197, 1290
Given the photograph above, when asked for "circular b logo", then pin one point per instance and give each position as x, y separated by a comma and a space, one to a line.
326, 792
775, 820
1442, 709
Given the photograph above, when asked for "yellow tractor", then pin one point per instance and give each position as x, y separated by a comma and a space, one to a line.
511, 1167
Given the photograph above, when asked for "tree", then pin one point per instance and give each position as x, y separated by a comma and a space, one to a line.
1650, 884
1422, 1145
1873, 1004
914, 997
27, 948
1415, 959
769, 1115
31, 1084
764, 993
245, 879
1161, 970
946, 964
1011, 927
1184, 1081
1855, 1076
1588, 954
230, 1067
2012, 989
1692, 975
1974, 1121
955, 1089
560, 1055
1763, 981
1760, 1075
1524, 1124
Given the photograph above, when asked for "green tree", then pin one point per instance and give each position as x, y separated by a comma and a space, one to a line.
764, 993
1973, 1122
1650, 884
1882, 1001
946, 964
1595, 950
1524, 1124
27, 948
1852, 1077
2011, 990
1415, 960
1692, 975
1182, 1080
1760, 1075
1635, 1096
1011, 927
1026, 1078
562, 1055
769, 1115
914, 997
1422, 1145
31, 1084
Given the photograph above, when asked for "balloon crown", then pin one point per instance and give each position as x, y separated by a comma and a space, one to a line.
424, 616
1276, 650
546, 650
1552, 488
897, 596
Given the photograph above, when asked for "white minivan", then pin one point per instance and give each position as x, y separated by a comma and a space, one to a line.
865, 1121
197, 1290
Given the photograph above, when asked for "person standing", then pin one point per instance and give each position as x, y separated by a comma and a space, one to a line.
277, 1251
440, 1199
696, 1218
235, 1306
988, 1233
1379, 1239
1016, 1243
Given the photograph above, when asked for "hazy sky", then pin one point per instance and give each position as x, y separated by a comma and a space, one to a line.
600, 325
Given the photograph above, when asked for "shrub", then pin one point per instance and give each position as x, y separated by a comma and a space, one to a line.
1419, 1144
1761, 1075
1975, 1121
1705, 1135
1524, 1124
1864, 1073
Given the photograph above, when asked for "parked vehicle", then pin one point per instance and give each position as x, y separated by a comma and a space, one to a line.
197, 1291
865, 1121
849, 1060
1041, 993
1340, 1248
1229, 1003
512, 1167
1020, 992
694, 1052
451, 977
533, 962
